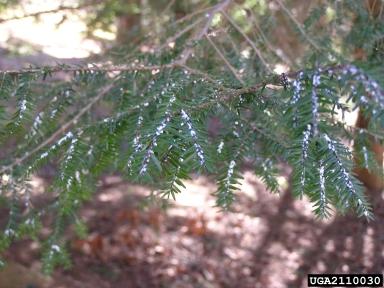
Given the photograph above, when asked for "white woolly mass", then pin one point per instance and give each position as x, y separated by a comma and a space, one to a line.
23, 106
346, 178
297, 91
304, 153
316, 80
192, 132
61, 141
365, 154
53, 113
77, 176
55, 248
158, 131
30, 221
371, 86
68, 136
9, 232
161, 127
297, 88
43, 155
322, 183
220, 147
315, 103
71, 149
140, 120
38, 121
136, 145
305, 143
70, 153
231, 167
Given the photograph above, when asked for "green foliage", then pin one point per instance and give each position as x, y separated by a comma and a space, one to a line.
161, 105
4, 4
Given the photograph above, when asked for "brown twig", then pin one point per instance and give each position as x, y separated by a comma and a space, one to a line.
299, 26
200, 34
226, 95
61, 68
51, 11
233, 70
179, 34
185, 55
237, 27
278, 52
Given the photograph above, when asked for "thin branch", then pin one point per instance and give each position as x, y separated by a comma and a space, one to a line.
169, 5
66, 68
133, 68
191, 15
225, 95
179, 34
233, 23
233, 70
200, 34
185, 55
198, 72
52, 11
278, 52
229, 94
299, 26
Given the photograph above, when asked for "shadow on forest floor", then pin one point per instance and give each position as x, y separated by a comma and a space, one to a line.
265, 241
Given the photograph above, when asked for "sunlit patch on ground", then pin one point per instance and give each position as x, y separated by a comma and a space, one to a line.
50, 33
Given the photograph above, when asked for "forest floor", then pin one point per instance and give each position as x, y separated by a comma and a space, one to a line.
266, 240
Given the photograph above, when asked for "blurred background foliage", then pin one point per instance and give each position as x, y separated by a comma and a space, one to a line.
350, 28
